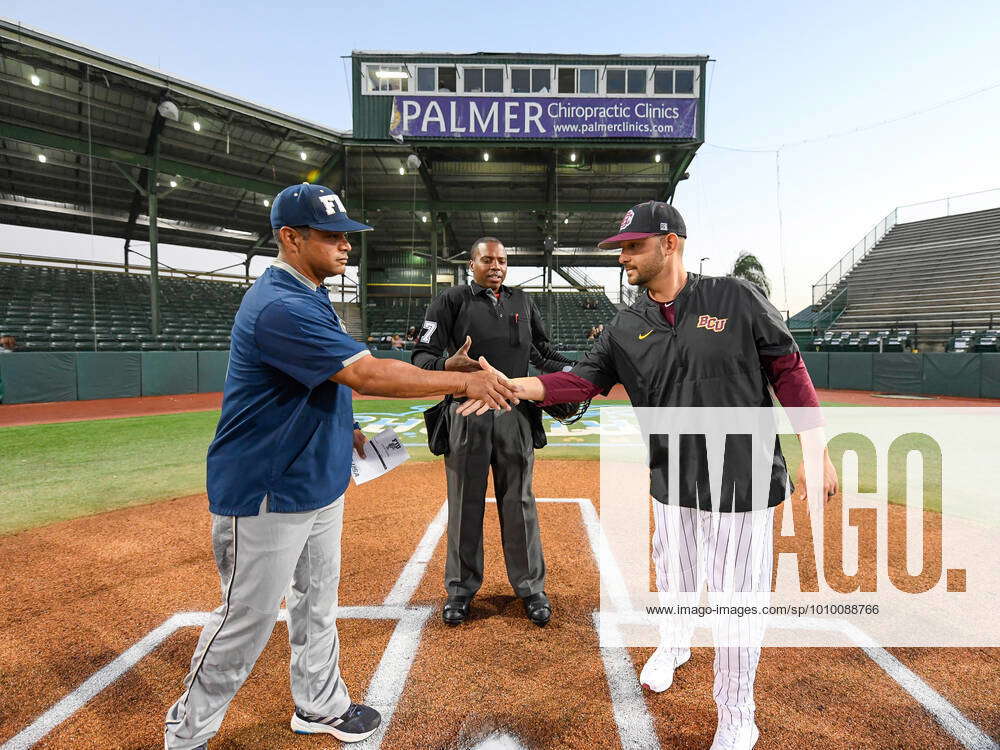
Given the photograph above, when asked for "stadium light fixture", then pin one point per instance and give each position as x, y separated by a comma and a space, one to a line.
197, 126
42, 158
402, 170
266, 203
496, 219
173, 183
303, 155
395, 75
424, 218
657, 158
35, 80
168, 110
572, 156
566, 220
486, 155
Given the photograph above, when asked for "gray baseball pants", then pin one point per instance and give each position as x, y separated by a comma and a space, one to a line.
500, 440
262, 559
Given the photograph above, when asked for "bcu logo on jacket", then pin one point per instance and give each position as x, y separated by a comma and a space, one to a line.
712, 323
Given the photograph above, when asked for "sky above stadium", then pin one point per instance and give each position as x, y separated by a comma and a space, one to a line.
865, 106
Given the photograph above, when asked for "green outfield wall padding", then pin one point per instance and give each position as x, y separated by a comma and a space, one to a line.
989, 375
108, 375
212, 370
401, 354
851, 370
897, 372
950, 374
38, 376
818, 365
168, 373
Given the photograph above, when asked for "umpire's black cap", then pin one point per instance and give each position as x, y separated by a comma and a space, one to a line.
646, 220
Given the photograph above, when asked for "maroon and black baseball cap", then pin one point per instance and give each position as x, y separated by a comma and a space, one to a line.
646, 220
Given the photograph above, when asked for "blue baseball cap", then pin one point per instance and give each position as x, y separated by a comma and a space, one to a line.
308, 205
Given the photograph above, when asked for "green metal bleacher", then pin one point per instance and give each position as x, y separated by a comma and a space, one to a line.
51, 309
569, 316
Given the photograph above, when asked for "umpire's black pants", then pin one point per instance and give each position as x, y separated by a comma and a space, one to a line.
501, 440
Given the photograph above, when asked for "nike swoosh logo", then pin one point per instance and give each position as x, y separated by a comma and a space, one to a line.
644, 335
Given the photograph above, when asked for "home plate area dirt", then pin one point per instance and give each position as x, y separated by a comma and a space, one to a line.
77, 595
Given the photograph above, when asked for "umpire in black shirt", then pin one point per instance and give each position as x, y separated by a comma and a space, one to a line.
486, 318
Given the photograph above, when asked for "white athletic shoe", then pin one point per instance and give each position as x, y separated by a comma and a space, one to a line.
732, 735
658, 673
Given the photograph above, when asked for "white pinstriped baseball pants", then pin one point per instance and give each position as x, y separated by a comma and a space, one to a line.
733, 554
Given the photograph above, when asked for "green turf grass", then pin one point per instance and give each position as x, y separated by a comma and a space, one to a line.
55, 472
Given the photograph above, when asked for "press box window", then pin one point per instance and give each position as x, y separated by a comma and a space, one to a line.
447, 79
684, 82
437, 78
567, 80
482, 80
615, 82
426, 79
494, 80
387, 78
663, 82
636, 81
577, 80
530, 80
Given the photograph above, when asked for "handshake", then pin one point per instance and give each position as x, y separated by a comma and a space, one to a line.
486, 387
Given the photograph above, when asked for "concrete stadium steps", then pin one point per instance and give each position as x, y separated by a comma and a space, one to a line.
939, 275
350, 314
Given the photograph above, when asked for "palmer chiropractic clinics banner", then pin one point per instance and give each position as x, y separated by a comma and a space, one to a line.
541, 117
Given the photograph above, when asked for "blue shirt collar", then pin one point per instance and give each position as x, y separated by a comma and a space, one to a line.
276, 263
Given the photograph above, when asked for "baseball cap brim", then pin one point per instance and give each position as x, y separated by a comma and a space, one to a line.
341, 225
613, 243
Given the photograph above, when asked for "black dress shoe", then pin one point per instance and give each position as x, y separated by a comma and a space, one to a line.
538, 609
456, 610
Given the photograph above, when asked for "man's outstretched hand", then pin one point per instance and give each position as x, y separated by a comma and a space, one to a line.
530, 389
460, 361
487, 389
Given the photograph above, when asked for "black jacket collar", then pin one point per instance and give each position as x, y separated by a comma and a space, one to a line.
477, 289
643, 301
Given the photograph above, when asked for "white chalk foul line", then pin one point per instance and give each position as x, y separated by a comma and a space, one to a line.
632, 717
386, 687
109, 674
413, 571
953, 721
387, 683
97, 682
635, 723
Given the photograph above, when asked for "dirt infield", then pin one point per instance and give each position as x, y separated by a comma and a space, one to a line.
73, 411
78, 594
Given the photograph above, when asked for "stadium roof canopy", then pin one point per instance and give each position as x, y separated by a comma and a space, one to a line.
64, 103
222, 157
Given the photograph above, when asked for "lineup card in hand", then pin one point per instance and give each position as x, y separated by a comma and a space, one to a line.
383, 452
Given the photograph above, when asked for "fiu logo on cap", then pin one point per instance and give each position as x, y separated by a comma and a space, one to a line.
332, 204
626, 219
711, 323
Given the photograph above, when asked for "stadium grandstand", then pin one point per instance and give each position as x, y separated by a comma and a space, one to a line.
927, 285
94, 144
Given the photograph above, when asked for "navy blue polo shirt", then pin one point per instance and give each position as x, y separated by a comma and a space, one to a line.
286, 428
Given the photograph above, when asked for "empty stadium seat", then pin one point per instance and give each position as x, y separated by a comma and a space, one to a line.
49, 309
